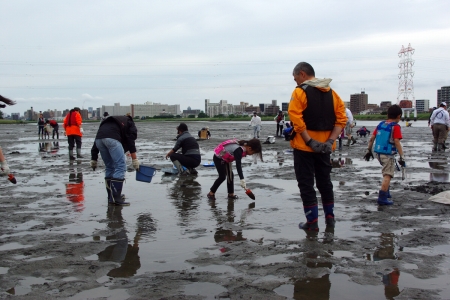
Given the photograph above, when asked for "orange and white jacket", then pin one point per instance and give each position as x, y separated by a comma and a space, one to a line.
75, 124
299, 103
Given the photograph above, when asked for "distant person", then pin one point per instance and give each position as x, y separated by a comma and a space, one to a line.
224, 155
362, 132
349, 127
279, 119
47, 129
72, 126
4, 165
287, 131
55, 127
204, 129
440, 124
387, 138
256, 123
318, 114
190, 151
41, 124
115, 136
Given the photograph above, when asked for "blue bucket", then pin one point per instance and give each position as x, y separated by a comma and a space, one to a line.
145, 173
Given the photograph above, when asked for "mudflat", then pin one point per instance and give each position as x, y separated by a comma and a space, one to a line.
60, 240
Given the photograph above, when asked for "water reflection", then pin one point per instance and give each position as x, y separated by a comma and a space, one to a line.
313, 288
186, 193
341, 162
439, 177
280, 158
121, 251
390, 282
386, 249
48, 148
75, 189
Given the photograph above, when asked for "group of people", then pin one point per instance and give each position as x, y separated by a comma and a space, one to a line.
45, 127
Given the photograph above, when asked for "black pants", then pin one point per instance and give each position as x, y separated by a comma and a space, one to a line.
185, 160
308, 165
55, 130
279, 128
72, 139
225, 172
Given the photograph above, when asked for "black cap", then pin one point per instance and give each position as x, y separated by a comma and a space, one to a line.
105, 114
182, 127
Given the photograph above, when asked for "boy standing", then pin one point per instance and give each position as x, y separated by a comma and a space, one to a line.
387, 138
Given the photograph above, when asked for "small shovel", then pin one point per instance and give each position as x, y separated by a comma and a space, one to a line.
250, 194
12, 179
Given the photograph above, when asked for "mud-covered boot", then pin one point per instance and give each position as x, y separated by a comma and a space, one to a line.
79, 153
434, 147
181, 170
108, 191
329, 215
441, 147
116, 186
382, 198
71, 157
192, 171
312, 214
353, 141
348, 142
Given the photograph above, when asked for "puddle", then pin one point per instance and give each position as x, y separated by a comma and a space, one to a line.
204, 289
341, 254
272, 259
3, 270
13, 246
24, 286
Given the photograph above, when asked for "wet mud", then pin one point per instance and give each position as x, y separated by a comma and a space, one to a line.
60, 240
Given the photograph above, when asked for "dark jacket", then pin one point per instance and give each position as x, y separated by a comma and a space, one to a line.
121, 128
187, 143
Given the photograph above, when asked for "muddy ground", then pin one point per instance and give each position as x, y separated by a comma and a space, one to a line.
60, 240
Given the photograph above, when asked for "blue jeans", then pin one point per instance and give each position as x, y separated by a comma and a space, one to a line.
256, 130
113, 156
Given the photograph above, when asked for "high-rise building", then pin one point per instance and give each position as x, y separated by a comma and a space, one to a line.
150, 109
443, 95
358, 102
422, 105
284, 106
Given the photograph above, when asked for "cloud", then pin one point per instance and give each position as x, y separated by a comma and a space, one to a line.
89, 97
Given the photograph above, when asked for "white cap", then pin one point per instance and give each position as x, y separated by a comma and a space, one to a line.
443, 104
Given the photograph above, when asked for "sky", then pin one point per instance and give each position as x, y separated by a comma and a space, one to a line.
60, 54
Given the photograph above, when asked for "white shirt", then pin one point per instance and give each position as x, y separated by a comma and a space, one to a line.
255, 121
440, 116
349, 115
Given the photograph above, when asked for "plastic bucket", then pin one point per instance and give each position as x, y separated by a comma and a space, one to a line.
145, 173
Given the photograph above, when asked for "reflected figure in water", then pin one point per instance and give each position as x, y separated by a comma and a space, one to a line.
390, 282
386, 249
313, 288
439, 177
121, 251
186, 193
75, 189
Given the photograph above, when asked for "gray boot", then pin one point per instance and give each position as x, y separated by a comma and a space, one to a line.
353, 140
71, 157
348, 142
434, 146
178, 165
441, 147
79, 153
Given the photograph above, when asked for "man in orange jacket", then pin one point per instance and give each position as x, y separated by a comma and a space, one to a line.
72, 126
318, 114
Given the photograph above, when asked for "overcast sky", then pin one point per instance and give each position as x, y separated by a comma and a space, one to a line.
60, 54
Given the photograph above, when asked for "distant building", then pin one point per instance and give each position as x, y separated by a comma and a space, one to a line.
384, 105
116, 109
347, 104
358, 102
90, 110
422, 105
221, 108
443, 95
250, 109
272, 110
188, 112
150, 109
84, 114
15, 116
285, 106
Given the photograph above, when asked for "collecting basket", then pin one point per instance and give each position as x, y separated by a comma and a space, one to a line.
145, 173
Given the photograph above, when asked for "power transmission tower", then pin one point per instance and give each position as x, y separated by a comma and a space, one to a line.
405, 97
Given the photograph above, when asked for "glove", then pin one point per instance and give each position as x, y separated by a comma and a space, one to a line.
328, 148
244, 186
317, 147
368, 155
5, 167
402, 162
135, 163
93, 164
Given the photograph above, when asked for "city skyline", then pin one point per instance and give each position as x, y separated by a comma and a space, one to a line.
59, 56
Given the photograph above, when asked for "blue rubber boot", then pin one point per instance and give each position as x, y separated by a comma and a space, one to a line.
382, 198
389, 193
312, 214
116, 186
329, 215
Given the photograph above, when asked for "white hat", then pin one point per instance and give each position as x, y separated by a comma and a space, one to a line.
443, 104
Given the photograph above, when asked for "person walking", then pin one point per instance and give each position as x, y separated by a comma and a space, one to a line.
115, 136
41, 125
387, 138
256, 123
279, 119
190, 151
349, 127
440, 124
72, 126
318, 114
55, 127
224, 155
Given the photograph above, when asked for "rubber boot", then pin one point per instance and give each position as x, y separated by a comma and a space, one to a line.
71, 157
340, 144
108, 191
116, 186
312, 214
382, 198
192, 171
329, 215
348, 142
178, 165
79, 153
389, 193
353, 141
441, 147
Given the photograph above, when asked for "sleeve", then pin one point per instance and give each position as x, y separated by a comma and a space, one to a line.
433, 114
374, 131
397, 132
65, 121
349, 115
238, 158
178, 144
296, 107
79, 119
94, 152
